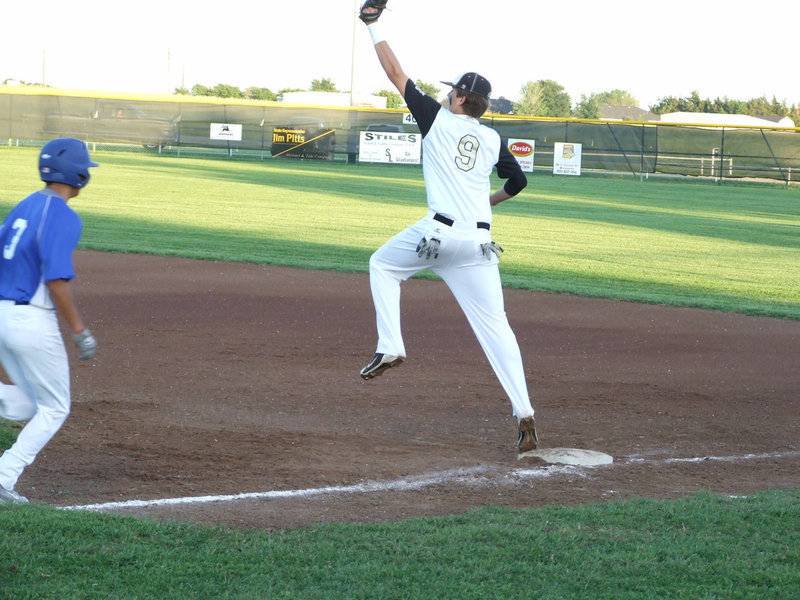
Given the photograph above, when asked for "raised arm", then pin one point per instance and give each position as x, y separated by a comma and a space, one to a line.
370, 12
390, 63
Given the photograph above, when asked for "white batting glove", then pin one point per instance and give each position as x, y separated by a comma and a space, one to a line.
86, 344
490, 248
429, 246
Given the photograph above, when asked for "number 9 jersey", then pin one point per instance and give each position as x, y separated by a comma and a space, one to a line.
458, 157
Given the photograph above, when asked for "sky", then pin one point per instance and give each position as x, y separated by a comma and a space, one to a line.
651, 50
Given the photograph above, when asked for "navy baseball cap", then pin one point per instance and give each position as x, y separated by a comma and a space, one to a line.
472, 82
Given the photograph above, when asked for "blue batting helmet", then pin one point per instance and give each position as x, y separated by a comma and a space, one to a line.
65, 160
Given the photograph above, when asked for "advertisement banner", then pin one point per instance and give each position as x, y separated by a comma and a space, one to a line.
389, 147
226, 131
300, 142
523, 152
566, 159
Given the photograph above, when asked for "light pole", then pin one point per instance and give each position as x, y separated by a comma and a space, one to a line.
353, 57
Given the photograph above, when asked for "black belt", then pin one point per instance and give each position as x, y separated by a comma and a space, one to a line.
449, 222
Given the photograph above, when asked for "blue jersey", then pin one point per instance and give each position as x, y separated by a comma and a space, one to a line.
37, 237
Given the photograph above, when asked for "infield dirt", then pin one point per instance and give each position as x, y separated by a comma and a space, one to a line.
216, 378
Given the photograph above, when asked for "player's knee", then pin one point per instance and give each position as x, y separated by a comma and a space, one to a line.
375, 261
54, 416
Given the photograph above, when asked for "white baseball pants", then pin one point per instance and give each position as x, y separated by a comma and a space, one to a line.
33, 355
473, 279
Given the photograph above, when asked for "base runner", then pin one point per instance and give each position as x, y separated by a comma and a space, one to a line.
38, 237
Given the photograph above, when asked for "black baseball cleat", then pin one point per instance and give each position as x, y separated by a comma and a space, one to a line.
379, 364
527, 440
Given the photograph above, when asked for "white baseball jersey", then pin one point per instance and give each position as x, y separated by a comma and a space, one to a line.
459, 155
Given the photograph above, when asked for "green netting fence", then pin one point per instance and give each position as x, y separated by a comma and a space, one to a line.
184, 125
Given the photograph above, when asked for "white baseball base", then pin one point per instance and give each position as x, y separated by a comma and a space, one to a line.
570, 456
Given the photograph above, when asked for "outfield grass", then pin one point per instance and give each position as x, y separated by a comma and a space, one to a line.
728, 247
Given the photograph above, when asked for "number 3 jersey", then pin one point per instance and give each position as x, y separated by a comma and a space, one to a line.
37, 238
458, 157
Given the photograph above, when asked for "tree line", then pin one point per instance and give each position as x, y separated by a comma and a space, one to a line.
546, 98
542, 98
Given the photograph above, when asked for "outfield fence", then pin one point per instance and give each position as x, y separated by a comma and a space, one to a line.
187, 124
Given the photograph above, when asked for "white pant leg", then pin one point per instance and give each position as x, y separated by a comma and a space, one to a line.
389, 266
15, 405
475, 283
33, 354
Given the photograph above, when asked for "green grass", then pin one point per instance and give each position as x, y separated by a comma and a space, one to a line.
8, 433
704, 546
728, 247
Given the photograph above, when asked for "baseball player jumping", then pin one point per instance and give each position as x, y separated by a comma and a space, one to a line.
453, 240
38, 237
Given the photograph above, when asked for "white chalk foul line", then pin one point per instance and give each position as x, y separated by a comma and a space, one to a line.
412, 483
697, 459
471, 476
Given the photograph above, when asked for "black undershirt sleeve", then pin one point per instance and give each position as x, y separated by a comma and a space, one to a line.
508, 168
423, 108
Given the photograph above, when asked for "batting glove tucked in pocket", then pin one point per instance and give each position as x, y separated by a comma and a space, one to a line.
491, 248
429, 246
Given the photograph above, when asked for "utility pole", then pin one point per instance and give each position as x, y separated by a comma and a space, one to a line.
353, 56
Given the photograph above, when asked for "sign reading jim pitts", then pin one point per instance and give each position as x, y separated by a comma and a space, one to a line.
298, 142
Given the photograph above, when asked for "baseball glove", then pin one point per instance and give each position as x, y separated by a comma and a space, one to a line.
371, 17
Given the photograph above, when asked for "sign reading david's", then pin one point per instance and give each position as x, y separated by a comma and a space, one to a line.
523, 152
